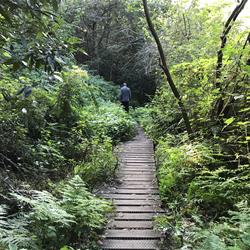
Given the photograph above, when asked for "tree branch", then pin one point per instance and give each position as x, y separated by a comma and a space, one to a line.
229, 24
164, 66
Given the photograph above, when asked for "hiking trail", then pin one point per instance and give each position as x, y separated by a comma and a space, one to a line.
136, 198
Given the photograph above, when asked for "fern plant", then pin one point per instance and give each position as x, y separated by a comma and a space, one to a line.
88, 210
14, 232
231, 233
48, 222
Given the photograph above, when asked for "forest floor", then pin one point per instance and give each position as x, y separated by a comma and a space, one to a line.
136, 198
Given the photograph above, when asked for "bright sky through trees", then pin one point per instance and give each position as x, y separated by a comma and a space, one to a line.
243, 16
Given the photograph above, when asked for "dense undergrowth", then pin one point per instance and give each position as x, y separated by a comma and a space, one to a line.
204, 182
57, 139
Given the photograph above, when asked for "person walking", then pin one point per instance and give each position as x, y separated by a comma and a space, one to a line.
125, 96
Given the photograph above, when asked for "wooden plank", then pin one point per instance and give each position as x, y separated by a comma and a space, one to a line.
128, 166
137, 182
144, 143
137, 156
136, 199
130, 244
137, 177
139, 209
136, 170
138, 185
138, 164
130, 224
131, 234
135, 160
138, 153
136, 173
136, 216
134, 202
138, 146
144, 152
131, 196
138, 161
140, 173
136, 191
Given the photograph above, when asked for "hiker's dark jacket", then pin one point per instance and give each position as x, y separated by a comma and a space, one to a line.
125, 94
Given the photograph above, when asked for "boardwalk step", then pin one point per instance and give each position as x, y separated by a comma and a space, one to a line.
139, 209
131, 196
150, 153
134, 202
136, 171
136, 199
137, 182
133, 161
137, 216
132, 234
139, 186
136, 191
137, 178
139, 174
136, 156
131, 224
130, 244
138, 164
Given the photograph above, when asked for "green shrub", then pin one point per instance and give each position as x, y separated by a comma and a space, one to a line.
49, 222
110, 120
178, 166
100, 164
63, 125
87, 210
232, 233
199, 191
216, 191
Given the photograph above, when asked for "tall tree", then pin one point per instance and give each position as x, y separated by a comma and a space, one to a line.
165, 68
31, 35
227, 27
111, 34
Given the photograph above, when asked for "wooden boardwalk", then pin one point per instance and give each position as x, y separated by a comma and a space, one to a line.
136, 199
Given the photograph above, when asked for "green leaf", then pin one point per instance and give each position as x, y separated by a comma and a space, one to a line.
246, 239
55, 4
213, 242
66, 248
229, 121
59, 60
57, 77
25, 63
5, 14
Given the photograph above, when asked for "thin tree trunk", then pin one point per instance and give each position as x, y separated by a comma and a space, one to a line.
228, 26
165, 69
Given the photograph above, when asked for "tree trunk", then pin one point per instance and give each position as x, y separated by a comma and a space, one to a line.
228, 26
165, 69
